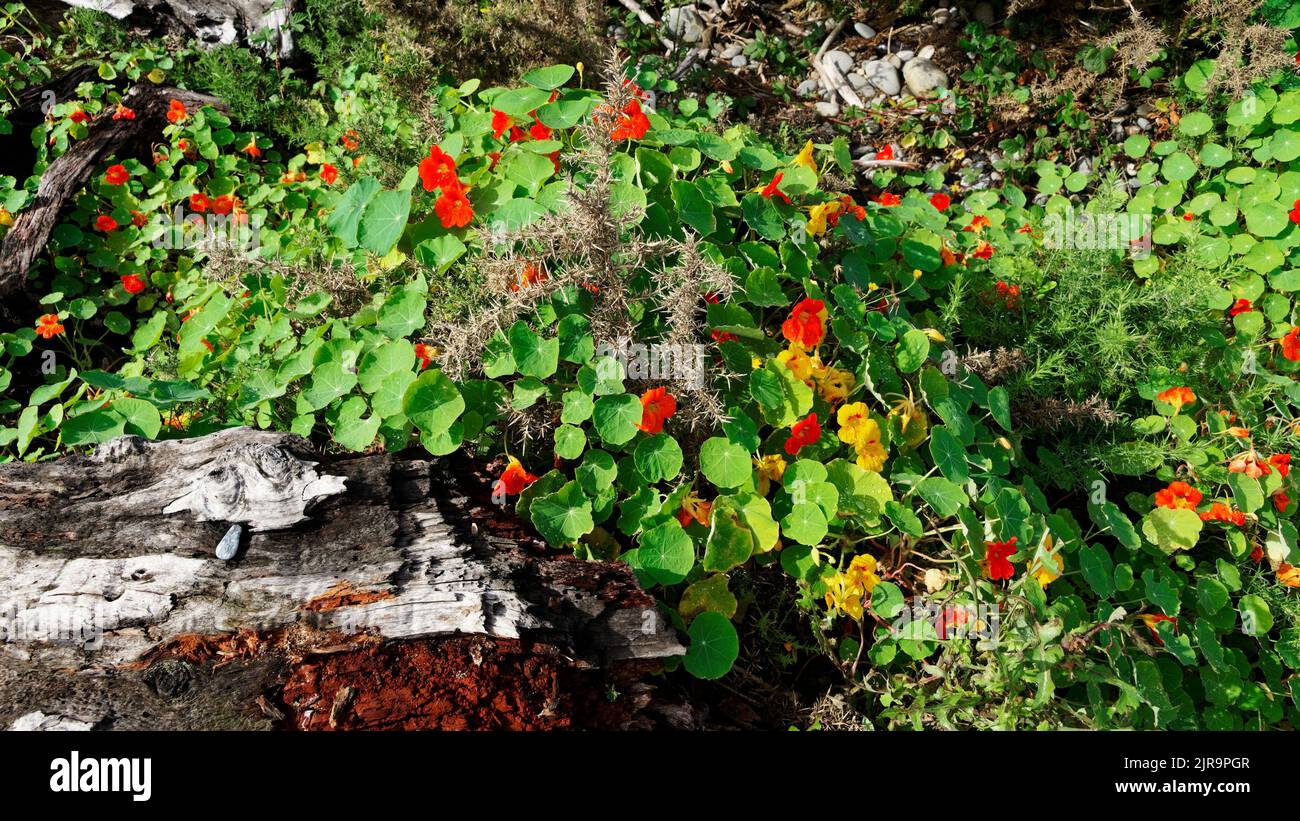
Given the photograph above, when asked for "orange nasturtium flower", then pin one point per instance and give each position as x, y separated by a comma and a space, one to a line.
804, 432
438, 170
1241, 306
694, 509
329, 173
500, 122
977, 224
772, 190
941, 201
105, 223
1179, 495
1219, 512
1281, 461
199, 202
657, 404
997, 559
1177, 397
888, 199
176, 112
123, 113
886, 153
1291, 344
633, 125
116, 174
48, 326
424, 353
982, 251
513, 479
251, 149
453, 208
132, 284
1152, 619
806, 324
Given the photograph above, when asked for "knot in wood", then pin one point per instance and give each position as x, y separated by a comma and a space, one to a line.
170, 678
261, 485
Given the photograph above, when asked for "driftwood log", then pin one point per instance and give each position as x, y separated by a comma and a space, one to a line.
68, 174
368, 591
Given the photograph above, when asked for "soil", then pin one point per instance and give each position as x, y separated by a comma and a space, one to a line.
460, 683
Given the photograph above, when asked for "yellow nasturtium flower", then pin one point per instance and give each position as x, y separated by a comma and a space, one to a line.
845, 591
819, 216
770, 469
1047, 566
805, 157
912, 421
796, 358
834, 385
858, 429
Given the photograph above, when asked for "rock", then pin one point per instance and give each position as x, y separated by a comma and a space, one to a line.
883, 76
1143, 123
684, 24
731, 51
828, 109
229, 544
739, 61
620, 33
807, 88
923, 77
941, 18
864, 31
842, 61
858, 82
984, 13
211, 22
894, 60
926, 52
906, 54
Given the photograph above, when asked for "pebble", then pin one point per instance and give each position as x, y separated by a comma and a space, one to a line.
840, 59
684, 24
857, 81
1143, 123
923, 77
906, 54
894, 60
807, 88
229, 544
926, 53
828, 109
883, 76
864, 31
739, 61
731, 51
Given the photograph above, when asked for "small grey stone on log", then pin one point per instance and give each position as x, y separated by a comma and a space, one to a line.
843, 61
864, 31
229, 544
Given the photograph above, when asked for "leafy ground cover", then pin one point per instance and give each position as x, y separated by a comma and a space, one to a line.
1012, 455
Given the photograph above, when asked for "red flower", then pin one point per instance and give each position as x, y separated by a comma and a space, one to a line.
1281, 461
123, 113
997, 559
983, 251
633, 125
105, 223
223, 204
138, 219
1177, 396
500, 122
251, 149
1152, 619
453, 208
1025, 229
79, 116
1179, 495
199, 202
888, 199
517, 134
176, 112
1291, 344
116, 174
530, 275
804, 432
424, 353
941, 201
1188, 216
1281, 501
329, 173
132, 284
1219, 512
1295, 212
513, 479
977, 223
350, 140
1257, 554
538, 131
805, 324
1010, 294
886, 153
48, 326
771, 190
657, 404
437, 170
1241, 306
